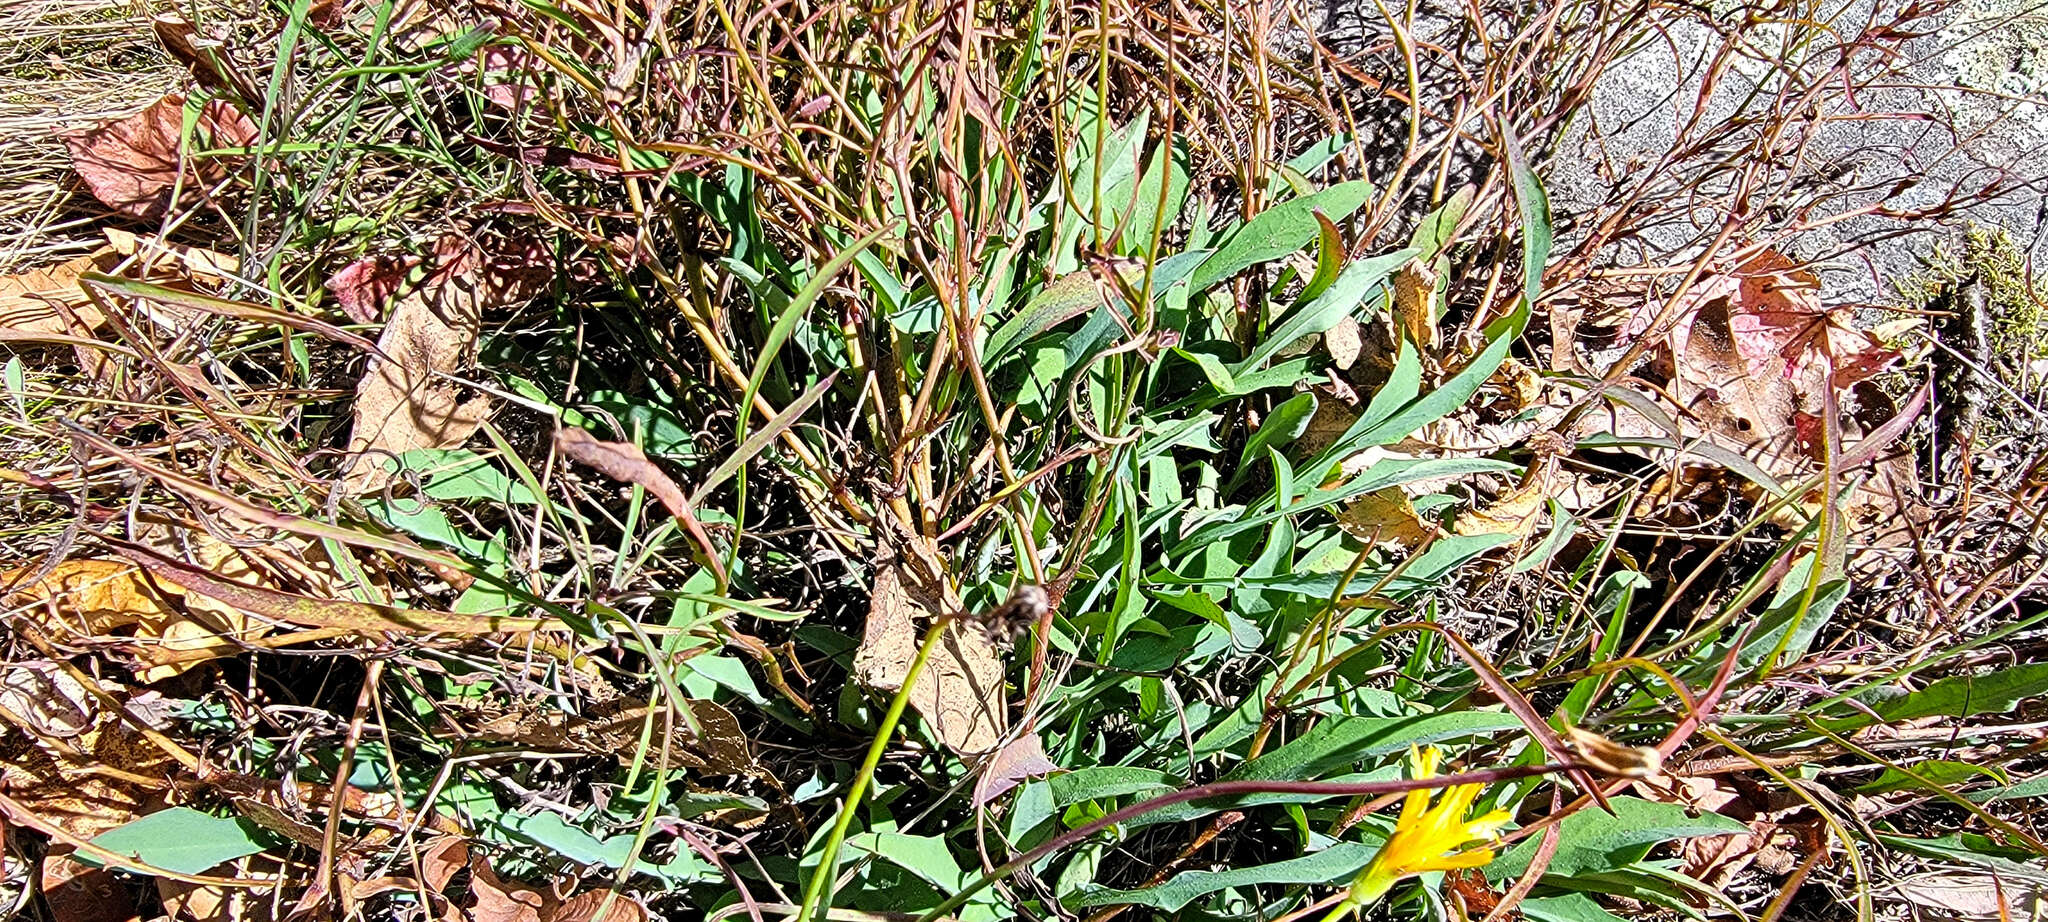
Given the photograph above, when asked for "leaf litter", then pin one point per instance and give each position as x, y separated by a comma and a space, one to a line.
1742, 361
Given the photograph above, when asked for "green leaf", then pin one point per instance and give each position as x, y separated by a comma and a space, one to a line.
1995, 692
1336, 744
1971, 848
1570, 907
1278, 231
1331, 865
431, 523
1594, 840
2036, 786
660, 431
1938, 772
1107, 781
1533, 204
1283, 425
181, 839
550, 831
1428, 408
1213, 369
458, 473
1434, 233
798, 305
925, 856
1388, 473
1358, 281
1079, 292
1151, 208
1312, 158
928, 858
1329, 257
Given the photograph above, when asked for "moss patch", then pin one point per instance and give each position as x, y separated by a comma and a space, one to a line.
2019, 305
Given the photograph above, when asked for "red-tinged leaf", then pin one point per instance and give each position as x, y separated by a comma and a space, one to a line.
134, 165
365, 286
626, 462
1781, 327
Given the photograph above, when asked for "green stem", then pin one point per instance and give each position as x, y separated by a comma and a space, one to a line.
818, 893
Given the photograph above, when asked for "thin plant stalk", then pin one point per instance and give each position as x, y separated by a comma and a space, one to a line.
818, 893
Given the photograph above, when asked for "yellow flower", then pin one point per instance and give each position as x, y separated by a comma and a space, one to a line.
1427, 838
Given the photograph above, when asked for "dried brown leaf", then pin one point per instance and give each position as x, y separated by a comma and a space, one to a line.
48, 698
44, 780
190, 267
1974, 896
598, 906
87, 599
135, 165
1415, 304
1344, 340
441, 859
364, 617
166, 625
1517, 511
1337, 408
50, 300
724, 746
960, 693
402, 403
78, 892
1777, 826
495, 900
405, 400
190, 902
1021, 759
1386, 516
623, 461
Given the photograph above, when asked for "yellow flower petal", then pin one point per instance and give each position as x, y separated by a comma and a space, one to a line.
1488, 826
1429, 836
1478, 857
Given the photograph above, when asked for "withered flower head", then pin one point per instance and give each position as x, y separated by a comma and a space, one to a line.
1005, 623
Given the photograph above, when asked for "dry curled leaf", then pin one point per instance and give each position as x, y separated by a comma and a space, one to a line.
1968, 896
78, 892
165, 625
52, 703
406, 400
496, 900
137, 164
623, 461
1415, 304
44, 776
960, 693
1344, 340
50, 300
178, 265
1780, 826
189, 902
403, 403
626, 462
1517, 511
1385, 516
1019, 760
598, 906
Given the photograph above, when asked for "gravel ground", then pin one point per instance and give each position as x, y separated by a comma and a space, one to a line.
1962, 108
